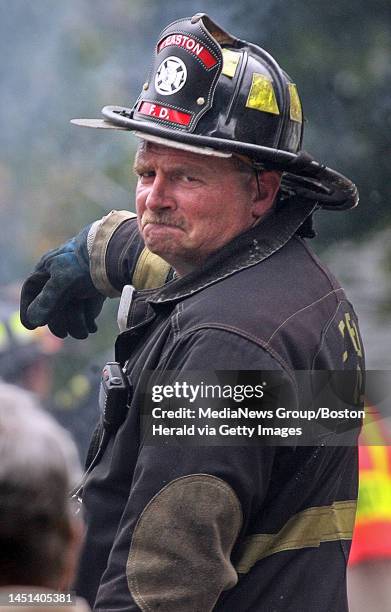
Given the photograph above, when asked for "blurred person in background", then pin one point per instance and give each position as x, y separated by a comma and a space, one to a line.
28, 359
26, 356
369, 571
40, 536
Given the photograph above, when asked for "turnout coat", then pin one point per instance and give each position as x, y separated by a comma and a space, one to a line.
233, 528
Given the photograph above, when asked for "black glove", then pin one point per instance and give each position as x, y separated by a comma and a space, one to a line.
60, 292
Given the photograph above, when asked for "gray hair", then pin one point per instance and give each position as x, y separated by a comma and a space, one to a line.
38, 466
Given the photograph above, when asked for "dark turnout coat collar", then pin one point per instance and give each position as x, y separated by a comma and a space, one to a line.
242, 252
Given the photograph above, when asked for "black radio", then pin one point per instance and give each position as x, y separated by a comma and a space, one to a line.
113, 396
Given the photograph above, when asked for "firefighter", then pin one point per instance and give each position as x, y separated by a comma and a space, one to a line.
26, 356
216, 275
370, 557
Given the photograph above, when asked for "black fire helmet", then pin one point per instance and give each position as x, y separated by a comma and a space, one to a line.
211, 93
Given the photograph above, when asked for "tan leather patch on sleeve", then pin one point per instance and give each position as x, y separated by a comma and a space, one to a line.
109, 225
179, 557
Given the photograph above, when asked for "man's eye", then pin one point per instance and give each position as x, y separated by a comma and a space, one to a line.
189, 179
146, 175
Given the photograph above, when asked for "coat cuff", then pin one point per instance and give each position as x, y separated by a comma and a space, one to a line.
99, 239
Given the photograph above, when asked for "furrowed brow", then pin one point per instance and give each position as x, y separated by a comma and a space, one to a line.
140, 166
185, 169
140, 162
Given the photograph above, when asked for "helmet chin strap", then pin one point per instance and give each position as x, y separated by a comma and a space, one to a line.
256, 172
255, 167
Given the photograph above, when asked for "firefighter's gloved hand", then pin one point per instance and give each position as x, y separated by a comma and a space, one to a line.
60, 292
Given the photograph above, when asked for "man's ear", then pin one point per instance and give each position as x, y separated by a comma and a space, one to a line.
265, 191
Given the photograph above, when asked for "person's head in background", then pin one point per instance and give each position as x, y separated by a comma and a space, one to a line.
26, 356
39, 536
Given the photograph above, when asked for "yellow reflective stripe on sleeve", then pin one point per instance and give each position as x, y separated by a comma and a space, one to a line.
230, 62
150, 271
261, 95
307, 529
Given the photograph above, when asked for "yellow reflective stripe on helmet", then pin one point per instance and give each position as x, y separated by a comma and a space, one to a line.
261, 95
295, 112
306, 529
150, 272
230, 62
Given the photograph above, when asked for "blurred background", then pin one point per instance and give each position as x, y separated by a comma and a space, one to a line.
62, 60
68, 59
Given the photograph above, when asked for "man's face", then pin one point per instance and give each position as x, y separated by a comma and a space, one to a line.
189, 205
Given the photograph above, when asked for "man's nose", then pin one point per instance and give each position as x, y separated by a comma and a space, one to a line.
160, 194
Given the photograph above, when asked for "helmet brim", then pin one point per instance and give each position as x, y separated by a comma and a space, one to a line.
303, 176
98, 124
167, 142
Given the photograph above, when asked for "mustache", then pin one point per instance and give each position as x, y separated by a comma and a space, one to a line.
163, 218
